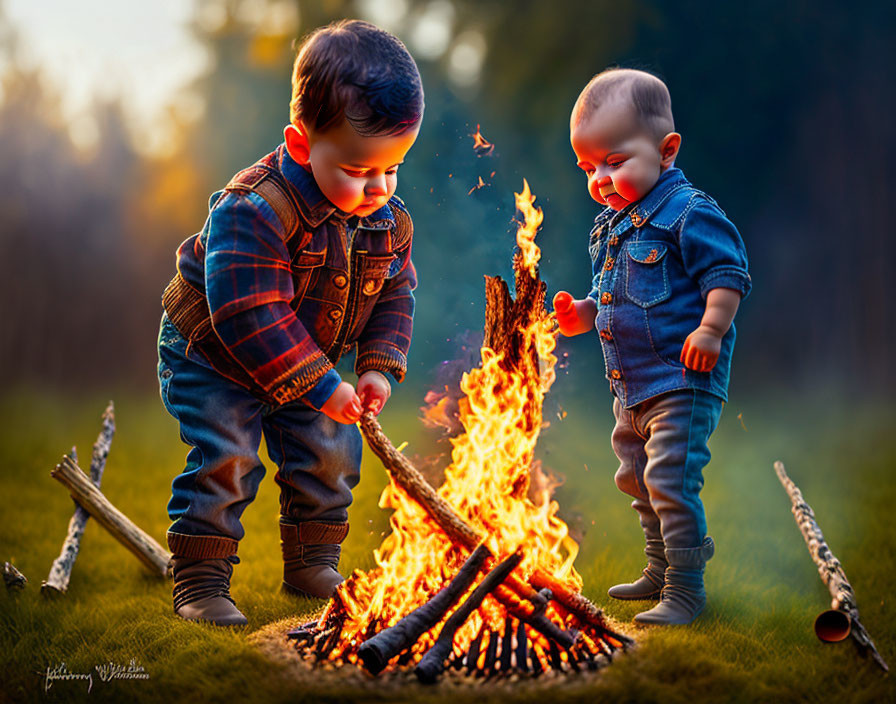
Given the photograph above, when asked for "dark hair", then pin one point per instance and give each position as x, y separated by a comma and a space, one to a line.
647, 94
355, 70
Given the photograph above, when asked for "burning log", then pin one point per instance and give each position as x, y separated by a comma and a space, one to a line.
460, 532
473, 652
61, 570
488, 491
147, 550
522, 646
507, 646
379, 650
842, 619
432, 664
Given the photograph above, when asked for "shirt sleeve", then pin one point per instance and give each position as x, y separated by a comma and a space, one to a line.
249, 286
712, 250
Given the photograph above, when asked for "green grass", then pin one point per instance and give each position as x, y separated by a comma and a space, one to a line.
753, 643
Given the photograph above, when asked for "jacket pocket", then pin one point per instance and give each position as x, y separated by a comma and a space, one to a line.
375, 272
304, 267
646, 279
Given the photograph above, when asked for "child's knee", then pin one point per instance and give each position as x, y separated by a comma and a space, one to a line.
626, 481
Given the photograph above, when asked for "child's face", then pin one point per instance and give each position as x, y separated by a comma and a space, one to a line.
357, 174
621, 160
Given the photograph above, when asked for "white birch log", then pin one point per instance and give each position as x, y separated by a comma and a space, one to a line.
61, 570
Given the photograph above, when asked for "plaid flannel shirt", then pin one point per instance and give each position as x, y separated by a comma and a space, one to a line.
286, 317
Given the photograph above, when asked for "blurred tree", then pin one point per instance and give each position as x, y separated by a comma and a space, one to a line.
783, 107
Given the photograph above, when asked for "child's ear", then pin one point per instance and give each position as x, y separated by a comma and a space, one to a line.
669, 149
297, 143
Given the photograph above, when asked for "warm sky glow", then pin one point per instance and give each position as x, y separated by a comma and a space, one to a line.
140, 50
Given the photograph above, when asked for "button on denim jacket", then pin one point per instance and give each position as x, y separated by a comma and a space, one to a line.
653, 264
284, 313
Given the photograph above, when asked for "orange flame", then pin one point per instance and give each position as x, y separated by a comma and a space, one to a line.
481, 145
525, 234
487, 484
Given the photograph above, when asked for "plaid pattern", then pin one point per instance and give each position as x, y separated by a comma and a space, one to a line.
287, 316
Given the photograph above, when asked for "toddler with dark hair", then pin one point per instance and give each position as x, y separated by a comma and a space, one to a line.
304, 256
669, 270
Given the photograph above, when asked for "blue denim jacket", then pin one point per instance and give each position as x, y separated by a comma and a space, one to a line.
653, 264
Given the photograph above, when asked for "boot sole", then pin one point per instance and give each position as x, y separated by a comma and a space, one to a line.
243, 622
653, 597
287, 588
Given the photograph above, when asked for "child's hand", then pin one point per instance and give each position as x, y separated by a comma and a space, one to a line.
574, 317
374, 390
701, 349
343, 406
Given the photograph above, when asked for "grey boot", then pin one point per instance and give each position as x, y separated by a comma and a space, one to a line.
684, 596
650, 583
311, 552
202, 579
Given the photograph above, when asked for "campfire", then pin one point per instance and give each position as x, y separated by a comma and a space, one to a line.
526, 613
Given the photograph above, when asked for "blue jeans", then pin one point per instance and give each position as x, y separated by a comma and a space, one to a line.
318, 459
661, 446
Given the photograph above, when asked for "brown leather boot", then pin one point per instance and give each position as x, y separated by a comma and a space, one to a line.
202, 566
310, 556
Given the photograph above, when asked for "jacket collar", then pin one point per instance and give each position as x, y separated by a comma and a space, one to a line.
671, 180
315, 207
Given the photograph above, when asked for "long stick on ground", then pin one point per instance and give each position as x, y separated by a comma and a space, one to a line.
831, 571
147, 550
460, 532
61, 570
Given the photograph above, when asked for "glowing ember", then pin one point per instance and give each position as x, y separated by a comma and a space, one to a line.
481, 145
487, 484
477, 186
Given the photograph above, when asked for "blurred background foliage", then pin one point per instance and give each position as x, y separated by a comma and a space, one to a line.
785, 109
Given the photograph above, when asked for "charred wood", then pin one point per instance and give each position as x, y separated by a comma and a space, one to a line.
376, 652
507, 646
431, 666
473, 653
522, 648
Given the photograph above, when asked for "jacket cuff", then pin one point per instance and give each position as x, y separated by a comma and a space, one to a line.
297, 383
726, 277
388, 360
322, 391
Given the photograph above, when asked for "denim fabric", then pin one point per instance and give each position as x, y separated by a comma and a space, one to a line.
661, 446
287, 310
653, 264
318, 459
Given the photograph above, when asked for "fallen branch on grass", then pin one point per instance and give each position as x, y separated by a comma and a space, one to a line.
147, 550
61, 570
843, 618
